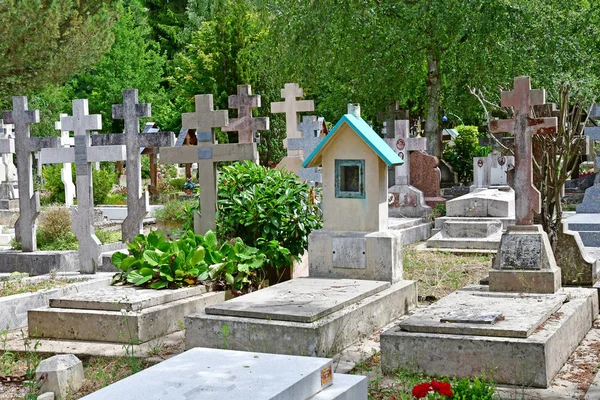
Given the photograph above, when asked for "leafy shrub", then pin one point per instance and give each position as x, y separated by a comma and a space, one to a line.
106, 236
175, 213
475, 389
103, 181
177, 184
156, 262
267, 208
115, 199
460, 155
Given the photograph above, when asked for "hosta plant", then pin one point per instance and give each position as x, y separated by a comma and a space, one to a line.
155, 261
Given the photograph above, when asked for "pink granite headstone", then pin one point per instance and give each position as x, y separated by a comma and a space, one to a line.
425, 175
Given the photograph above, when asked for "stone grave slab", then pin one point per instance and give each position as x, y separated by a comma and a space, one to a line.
119, 314
117, 298
466, 311
300, 300
211, 374
525, 361
359, 316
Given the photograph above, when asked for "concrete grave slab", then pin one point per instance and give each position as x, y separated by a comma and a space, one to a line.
483, 203
322, 337
211, 374
117, 298
520, 315
532, 361
345, 387
299, 300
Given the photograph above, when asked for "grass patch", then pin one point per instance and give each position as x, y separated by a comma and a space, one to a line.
441, 273
17, 285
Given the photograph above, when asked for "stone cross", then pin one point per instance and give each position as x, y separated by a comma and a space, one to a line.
311, 128
83, 155
8, 173
66, 175
522, 98
402, 144
291, 107
29, 200
137, 200
207, 154
244, 124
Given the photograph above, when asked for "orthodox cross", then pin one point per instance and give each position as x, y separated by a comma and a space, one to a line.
291, 107
311, 128
402, 144
245, 124
65, 173
521, 99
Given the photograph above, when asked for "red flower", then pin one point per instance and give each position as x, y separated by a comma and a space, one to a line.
442, 388
420, 391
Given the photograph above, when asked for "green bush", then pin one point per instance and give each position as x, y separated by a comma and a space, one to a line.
267, 208
156, 262
460, 155
475, 389
177, 184
175, 213
54, 230
103, 181
115, 199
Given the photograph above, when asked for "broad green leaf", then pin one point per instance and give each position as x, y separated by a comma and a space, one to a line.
117, 259
158, 285
152, 257
146, 271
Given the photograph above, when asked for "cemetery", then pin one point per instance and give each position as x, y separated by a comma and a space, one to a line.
214, 200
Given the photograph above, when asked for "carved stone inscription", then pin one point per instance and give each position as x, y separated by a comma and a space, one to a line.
521, 252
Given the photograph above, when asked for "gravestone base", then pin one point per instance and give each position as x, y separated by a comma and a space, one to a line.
355, 255
525, 262
408, 202
471, 234
118, 314
304, 316
212, 374
532, 337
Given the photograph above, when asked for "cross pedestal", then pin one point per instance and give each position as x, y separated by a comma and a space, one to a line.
245, 124
206, 153
312, 134
137, 200
292, 107
525, 261
29, 200
83, 155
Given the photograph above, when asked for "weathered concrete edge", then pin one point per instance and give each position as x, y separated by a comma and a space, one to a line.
321, 338
13, 309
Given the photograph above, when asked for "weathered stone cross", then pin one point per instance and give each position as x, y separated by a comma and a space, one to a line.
65, 173
522, 98
291, 107
207, 154
311, 128
83, 155
29, 200
137, 200
244, 124
402, 144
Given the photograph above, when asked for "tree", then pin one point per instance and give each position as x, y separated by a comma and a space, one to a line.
46, 41
133, 61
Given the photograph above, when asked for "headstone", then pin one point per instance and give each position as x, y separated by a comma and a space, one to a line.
245, 124
137, 200
407, 201
425, 175
84, 155
591, 203
207, 154
525, 261
491, 171
66, 175
292, 107
64, 375
311, 128
29, 200
8, 171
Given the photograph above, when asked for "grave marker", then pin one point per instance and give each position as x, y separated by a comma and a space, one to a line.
83, 155
426, 176
29, 200
206, 153
66, 175
8, 172
245, 124
522, 98
311, 128
402, 144
137, 200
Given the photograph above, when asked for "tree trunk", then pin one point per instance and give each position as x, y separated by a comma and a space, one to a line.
434, 87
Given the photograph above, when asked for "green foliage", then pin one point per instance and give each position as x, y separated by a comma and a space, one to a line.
269, 209
115, 199
106, 236
53, 185
174, 212
39, 36
475, 389
156, 262
460, 154
103, 181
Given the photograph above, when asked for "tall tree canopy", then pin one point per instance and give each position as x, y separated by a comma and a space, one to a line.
46, 41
